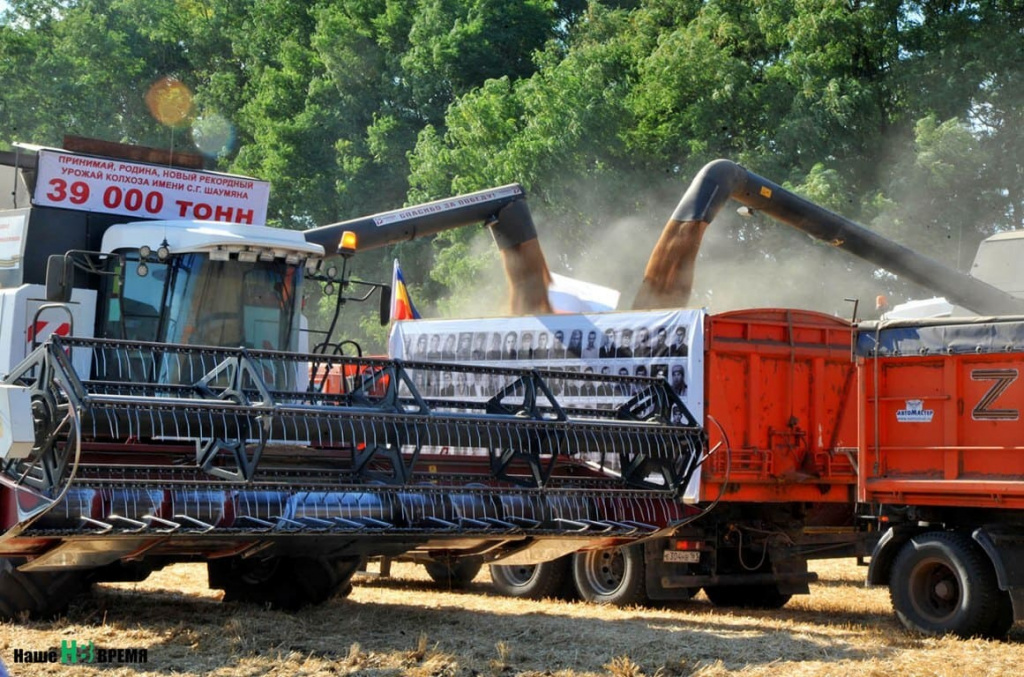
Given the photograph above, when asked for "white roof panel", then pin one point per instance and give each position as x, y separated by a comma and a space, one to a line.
203, 236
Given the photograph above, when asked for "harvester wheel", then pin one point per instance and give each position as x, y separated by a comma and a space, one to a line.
287, 583
455, 573
532, 581
762, 596
943, 583
611, 576
39, 595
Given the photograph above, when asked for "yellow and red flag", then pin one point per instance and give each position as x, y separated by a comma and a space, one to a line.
401, 305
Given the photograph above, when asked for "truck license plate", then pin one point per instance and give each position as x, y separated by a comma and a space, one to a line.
682, 556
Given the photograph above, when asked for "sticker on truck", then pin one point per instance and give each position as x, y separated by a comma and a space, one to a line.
915, 412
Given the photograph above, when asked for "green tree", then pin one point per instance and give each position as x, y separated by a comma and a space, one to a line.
905, 115
824, 96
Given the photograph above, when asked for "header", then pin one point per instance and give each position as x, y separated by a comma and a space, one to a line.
111, 186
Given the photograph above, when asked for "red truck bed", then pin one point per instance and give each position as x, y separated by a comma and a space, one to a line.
940, 406
781, 386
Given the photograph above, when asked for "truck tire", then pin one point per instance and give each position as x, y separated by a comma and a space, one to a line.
456, 573
942, 583
286, 583
611, 576
37, 595
532, 581
761, 596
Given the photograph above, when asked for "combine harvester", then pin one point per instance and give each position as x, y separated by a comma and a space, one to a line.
157, 406
896, 440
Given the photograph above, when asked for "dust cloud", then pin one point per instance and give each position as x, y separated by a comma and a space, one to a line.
744, 262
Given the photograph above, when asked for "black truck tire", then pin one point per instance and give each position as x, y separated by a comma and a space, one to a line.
760, 596
612, 576
456, 573
37, 595
532, 581
942, 583
286, 583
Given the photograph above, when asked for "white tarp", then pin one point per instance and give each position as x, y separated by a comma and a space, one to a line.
569, 295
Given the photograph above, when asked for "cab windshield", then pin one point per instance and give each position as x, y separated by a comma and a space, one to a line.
192, 300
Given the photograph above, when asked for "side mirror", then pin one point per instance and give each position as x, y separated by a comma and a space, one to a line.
60, 278
385, 304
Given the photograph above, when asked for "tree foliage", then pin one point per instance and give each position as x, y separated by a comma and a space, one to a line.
903, 115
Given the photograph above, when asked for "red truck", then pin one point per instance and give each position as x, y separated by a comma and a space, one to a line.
894, 440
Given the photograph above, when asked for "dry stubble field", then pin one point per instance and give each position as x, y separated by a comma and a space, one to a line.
403, 626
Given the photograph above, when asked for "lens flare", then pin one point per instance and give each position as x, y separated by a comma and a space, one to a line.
169, 101
213, 135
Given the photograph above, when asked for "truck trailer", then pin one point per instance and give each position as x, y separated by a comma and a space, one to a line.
772, 387
936, 410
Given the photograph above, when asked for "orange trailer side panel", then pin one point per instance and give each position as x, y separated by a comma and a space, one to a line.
781, 399
940, 415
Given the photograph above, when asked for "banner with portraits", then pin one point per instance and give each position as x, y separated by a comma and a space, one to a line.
665, 343
668, 344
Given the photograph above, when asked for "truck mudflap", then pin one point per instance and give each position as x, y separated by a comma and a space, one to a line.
191, 442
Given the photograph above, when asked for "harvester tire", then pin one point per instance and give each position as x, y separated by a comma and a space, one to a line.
285, 583
37, 595
943, 583
532, 581
763, 596
612, 576
457, 573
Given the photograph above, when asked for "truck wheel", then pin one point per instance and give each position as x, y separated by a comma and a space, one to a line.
942, 583
287, 583
762, 596
611, 576
39, 595
455, 573
532, 581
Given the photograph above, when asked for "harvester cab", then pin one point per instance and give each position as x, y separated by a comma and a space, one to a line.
97, 247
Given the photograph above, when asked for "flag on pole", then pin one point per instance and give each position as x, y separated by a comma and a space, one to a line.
401, 305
